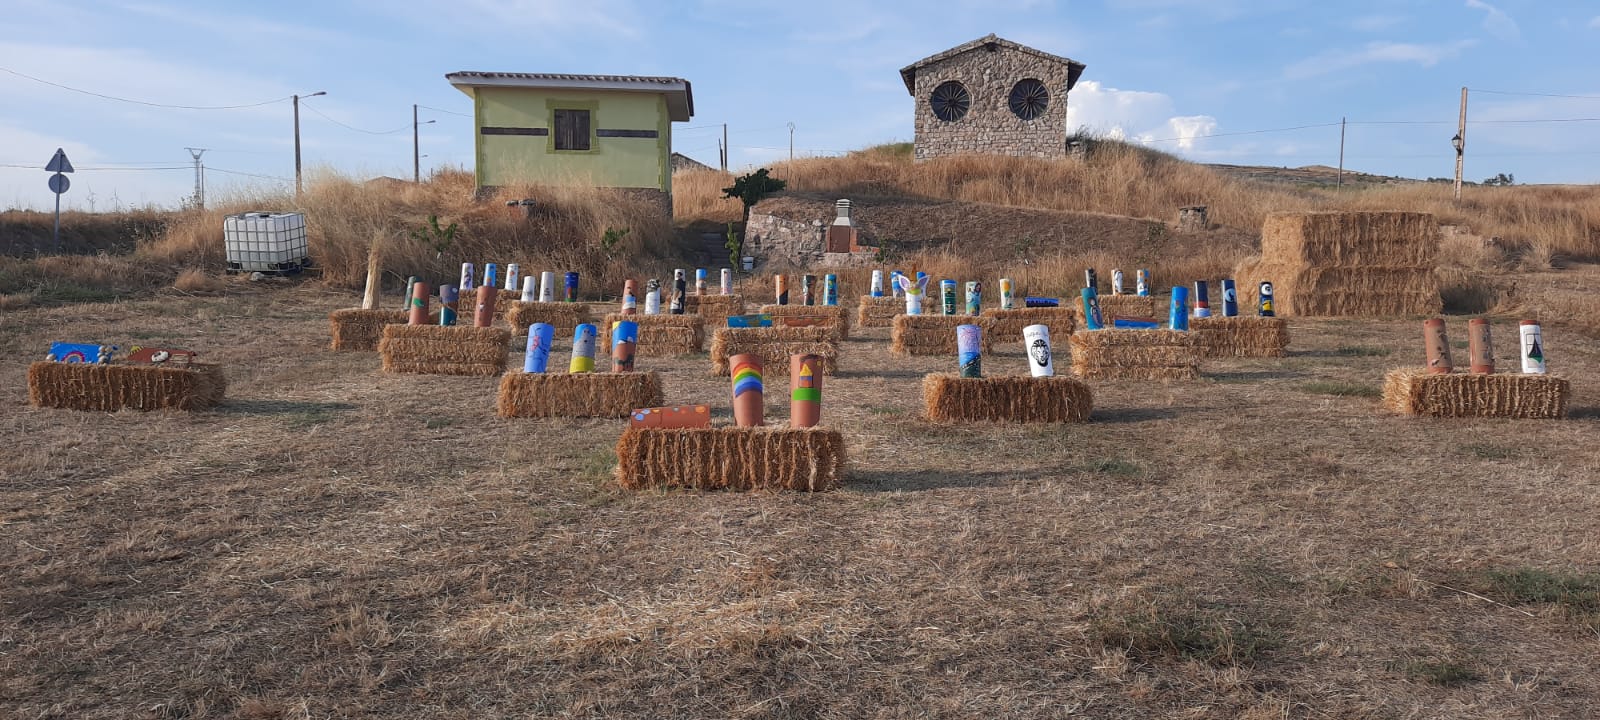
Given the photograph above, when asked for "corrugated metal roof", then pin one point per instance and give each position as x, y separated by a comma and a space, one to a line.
679, 92
567, 77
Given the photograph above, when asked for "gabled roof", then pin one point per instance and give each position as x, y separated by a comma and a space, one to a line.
909, 72
680, 96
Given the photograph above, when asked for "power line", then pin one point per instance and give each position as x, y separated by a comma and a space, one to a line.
142, 102
98, 168
1242, 132
1536, 94
447, 112
307, 106
253, 175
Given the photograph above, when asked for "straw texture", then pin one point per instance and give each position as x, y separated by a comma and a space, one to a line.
880, 311
438, 350
660, 335
605, 395
1362, 264
774, 345
1120, 306
1241, 336
1135, 355
731, 458
714, 310
1008, 324
109, 388
1415, 391
1059, 399
936, 334
834, 316
355, 329
564, 316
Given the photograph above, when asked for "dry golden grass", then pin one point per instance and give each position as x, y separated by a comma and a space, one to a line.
336, 541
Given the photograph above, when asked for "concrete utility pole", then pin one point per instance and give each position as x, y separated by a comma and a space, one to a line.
725, 148
1341, 152
1460, 142
791, 142
297, 141
199, 179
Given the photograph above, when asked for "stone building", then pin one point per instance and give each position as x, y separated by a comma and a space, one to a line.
991, 96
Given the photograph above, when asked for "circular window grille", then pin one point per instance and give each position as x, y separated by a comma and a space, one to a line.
1029, 98
950, 101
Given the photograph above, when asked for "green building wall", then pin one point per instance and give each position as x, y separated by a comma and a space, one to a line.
623, 162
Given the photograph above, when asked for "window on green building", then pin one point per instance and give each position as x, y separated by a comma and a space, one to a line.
572, 129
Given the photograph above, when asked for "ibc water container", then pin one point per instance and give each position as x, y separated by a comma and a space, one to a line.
266, 242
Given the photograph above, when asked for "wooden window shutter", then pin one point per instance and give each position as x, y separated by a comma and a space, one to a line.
572, 129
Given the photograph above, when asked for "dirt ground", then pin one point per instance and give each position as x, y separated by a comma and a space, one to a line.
1265, 542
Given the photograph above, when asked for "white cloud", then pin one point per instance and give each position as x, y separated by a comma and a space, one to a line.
560, 21
1595, 23
1496, 21
25, 187
1376, 52
1134, 115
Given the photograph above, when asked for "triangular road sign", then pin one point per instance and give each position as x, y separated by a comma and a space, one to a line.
59, 163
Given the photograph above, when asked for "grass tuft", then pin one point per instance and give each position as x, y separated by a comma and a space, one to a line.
1443, 673
1340, 388
1172, 628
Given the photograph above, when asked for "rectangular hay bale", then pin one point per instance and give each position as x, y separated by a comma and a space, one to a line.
109, 388
1415, 391
775, 345
564, 316
950, 398
439, 350
834, 316
731, 458
714, 310
936, 334
1350, 239
1008, 324
355, 329
880, 311
1135, 355
659, 335
605, 395
1122, 306
1378, 291
1241, 336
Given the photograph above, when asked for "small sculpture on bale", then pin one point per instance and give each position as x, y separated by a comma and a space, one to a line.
947, 297
541, 337
913, 290
1532, 347
513, 277
583, 342
570, 288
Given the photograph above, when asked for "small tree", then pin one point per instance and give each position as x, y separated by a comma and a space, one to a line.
735, 246
1503, 179
438, 238
750, 189
612, 236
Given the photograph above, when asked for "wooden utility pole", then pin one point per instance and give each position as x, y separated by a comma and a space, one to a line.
1460, 141
725, 149
1341, 152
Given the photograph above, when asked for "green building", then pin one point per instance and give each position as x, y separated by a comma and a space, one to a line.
597, 130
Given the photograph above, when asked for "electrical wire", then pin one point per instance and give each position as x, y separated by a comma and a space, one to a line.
1535, 94
245, 174
143, 102
307, 106
447, 112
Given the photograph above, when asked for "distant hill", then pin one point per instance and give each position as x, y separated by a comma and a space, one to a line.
1306, 175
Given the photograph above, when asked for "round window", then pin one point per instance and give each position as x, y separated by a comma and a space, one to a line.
950, 101
1029, 98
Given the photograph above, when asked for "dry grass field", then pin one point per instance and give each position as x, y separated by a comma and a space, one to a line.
1265, 542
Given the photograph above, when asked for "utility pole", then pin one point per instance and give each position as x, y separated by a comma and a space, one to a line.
416, 146
297, 141
725, 148
1341, 152
791, 142
199, 179
1460, 141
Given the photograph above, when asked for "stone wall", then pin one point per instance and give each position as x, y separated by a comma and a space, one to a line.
776, 241
989, 125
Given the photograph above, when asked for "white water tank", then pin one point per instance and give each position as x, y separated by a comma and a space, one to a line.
266, 242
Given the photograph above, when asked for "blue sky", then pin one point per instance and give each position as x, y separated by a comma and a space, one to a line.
1163, 71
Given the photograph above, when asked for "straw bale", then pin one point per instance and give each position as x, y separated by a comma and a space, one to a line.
951, 398
439, 350
1415, 391
1135, 355
1379, 291
835, 317
731, 458
1351, 239
936, 334
660, 335
607, 395
1122, 306
112, 387
1008, 324
775, 345
1241, 336
358, 329
714, 310
564, 316
880, 311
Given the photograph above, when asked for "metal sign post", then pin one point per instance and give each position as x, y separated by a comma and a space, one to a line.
59, 184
